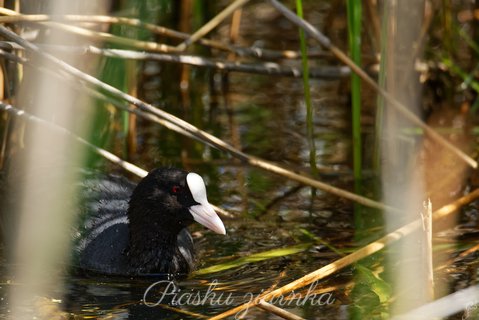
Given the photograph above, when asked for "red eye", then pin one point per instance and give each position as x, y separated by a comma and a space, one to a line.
175, 189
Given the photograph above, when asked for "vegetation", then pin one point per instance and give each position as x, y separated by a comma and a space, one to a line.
371, 104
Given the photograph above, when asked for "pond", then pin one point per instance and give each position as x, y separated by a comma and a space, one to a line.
297, 229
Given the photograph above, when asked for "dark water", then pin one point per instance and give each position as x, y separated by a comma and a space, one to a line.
267, 115
263, 116
269, 212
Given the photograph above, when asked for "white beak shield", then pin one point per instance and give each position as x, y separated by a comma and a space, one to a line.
203, 213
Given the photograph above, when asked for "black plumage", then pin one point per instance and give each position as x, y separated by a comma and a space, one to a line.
141, 230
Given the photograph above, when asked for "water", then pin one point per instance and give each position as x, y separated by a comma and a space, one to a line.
270, 212
266, 114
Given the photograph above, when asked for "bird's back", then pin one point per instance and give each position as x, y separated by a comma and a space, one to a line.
101, 241
102, 236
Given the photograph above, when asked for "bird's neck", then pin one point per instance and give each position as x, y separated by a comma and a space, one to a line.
153, 248
154, 255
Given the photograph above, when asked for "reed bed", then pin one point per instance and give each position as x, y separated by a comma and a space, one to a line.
122, 51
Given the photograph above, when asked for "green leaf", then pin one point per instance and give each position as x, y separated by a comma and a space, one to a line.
255, 257
380, 287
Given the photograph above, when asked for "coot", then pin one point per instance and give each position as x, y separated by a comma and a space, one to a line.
141, 230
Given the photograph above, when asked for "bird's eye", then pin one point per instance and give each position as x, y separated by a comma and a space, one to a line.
175, 189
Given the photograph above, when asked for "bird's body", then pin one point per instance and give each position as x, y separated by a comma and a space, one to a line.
141, 230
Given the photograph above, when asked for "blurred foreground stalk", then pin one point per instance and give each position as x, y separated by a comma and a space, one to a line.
43, 176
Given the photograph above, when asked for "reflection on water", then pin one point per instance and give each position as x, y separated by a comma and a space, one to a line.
167, 299
271, 210
263, 116
268, 116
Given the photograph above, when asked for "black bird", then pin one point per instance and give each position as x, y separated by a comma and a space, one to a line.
141, 230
